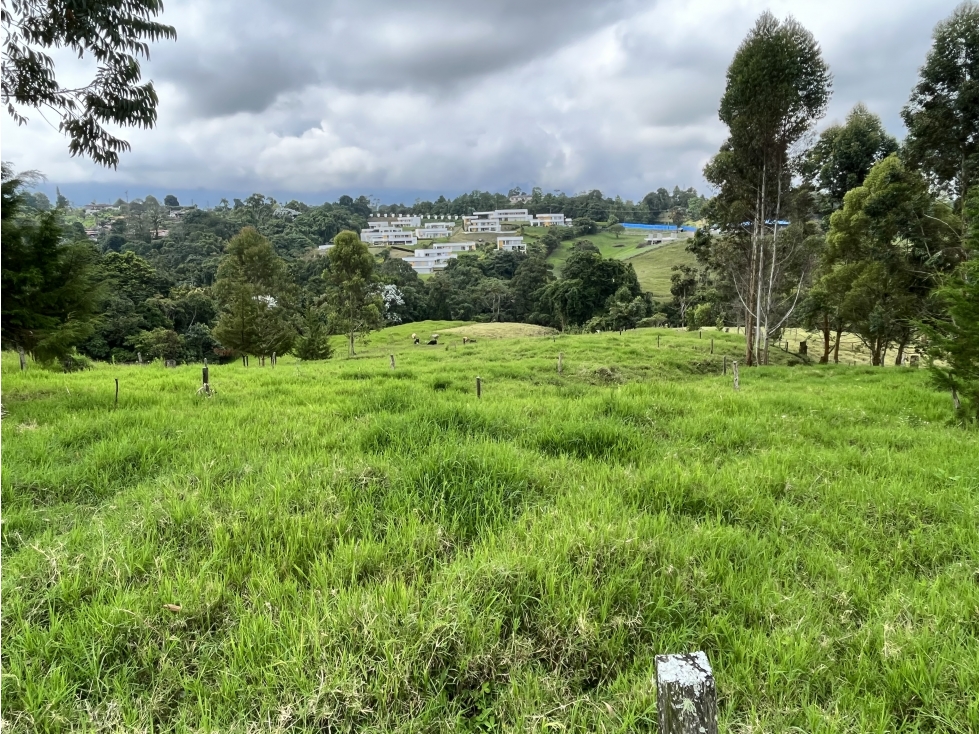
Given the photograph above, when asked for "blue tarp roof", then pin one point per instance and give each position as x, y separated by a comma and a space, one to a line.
657, 227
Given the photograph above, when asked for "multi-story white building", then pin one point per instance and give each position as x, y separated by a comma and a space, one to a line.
454, 246
476, 224
512, 215
433, 230
511, 244
549, 220
427, 264
388, 236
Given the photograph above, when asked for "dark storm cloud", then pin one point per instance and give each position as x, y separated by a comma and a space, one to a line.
255, 51
438, 96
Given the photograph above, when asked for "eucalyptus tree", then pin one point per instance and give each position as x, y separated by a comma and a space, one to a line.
942, 115
844, 155
778, 86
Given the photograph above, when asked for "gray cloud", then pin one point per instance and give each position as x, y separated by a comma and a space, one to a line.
374, 97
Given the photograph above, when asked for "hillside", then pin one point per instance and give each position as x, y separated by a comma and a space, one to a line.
654, 267
343, 546
652, 263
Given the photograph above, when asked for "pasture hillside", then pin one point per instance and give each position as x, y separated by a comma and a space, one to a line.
342, 546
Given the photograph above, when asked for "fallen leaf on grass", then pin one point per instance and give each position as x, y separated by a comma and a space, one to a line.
172, 607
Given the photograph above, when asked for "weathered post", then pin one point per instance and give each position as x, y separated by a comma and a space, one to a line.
479, 387
725, 364
273, 359
700, 334
23, 360
734, 371
139, 358
392, 362
712, 345
560, 362
657, 341
955, 400
803, 348
117, 392
686, 697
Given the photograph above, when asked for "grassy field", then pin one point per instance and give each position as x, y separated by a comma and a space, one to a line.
339, 546
654, 267
652, 264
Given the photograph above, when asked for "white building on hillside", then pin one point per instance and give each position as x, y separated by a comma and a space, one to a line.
549, 220
454, 246
510, 215
433, 230
476, 224
427, 264
388, 236
511, 244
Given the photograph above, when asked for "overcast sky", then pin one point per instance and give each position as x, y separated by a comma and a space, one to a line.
313, 98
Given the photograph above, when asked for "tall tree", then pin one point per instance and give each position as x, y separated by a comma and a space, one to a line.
252, 288
942, 115
777, 87
49, 289
357, 305
115, 34
844, 155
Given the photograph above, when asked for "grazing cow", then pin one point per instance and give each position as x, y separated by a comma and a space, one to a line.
433, 342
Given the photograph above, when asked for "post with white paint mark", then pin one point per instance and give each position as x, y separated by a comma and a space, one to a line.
734, 371
392, 362
686, 698
560, 362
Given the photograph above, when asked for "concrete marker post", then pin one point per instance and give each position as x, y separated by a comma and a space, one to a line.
686, 696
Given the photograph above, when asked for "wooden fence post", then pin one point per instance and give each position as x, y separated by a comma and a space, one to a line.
273, 359
955, 400
392, 362
117, 392
479, 387
560, 362
686, 697
139, 358
734, 371
657, 341
23, 361
712, 345
725, 364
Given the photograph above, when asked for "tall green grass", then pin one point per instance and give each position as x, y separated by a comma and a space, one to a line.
356, 548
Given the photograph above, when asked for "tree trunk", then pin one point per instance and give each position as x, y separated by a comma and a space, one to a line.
825, 358
900, 353
352, 352
836, 347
